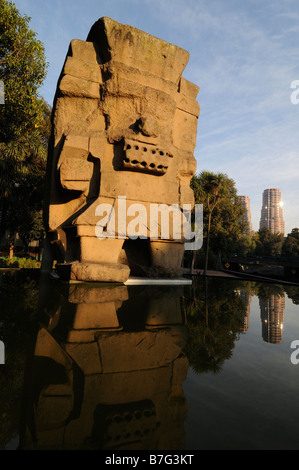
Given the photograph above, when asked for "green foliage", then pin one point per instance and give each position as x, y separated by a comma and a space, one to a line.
266, 291
291, 244
246, 244
22, 188
22, 70
23, 161
293, 293
269, 244
19, 263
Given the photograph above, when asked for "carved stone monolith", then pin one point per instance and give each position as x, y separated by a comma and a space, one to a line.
124, 129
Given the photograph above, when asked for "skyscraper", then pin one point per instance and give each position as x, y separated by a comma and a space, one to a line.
245, 201
272, 215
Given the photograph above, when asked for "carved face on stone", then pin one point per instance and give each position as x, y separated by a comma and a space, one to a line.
139, 123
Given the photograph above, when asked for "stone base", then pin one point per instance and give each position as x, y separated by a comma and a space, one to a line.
93, 272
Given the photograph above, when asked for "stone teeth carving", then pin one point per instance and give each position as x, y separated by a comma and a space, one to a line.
145, 158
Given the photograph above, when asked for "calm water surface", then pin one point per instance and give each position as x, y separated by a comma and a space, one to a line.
198, 367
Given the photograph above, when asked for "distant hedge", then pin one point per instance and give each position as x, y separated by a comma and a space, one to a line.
19, 263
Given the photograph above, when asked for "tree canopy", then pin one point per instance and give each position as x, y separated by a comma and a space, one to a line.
24, 124
291, 244
22, 70
269, 244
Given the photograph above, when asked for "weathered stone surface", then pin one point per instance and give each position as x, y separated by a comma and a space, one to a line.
75, 174
124, 124
138, 49
102, 272
83, 70
78, 87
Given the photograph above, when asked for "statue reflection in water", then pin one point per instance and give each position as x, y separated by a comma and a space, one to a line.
107, 370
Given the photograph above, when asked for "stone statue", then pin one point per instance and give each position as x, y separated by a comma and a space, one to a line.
124, 129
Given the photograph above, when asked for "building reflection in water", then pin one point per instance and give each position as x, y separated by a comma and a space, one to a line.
272, 312
107, 370
272, 308
246, 297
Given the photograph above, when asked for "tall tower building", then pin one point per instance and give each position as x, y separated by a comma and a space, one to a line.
245, 201
272, 215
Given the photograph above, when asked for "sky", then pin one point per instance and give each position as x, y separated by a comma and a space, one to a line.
244, 56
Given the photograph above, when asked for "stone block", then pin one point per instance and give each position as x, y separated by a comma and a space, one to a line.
83, 49
83, 69
77, 87
75, 174
101, 272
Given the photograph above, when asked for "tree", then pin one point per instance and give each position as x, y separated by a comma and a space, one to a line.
269, 244
223, 212
212, 192
291, 244
22, 70
246, 244
24, 214
24, 120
